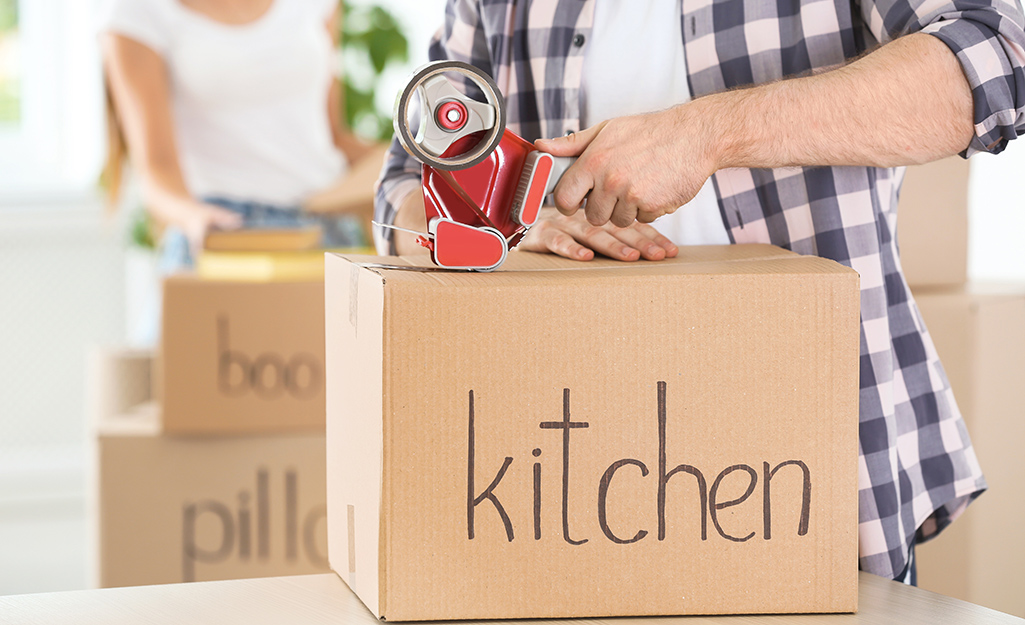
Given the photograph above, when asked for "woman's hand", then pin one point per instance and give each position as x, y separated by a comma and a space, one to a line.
141, 88
573, 237
202, 218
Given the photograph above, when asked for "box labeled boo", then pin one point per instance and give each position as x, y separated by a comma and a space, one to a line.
564, 439
240, 357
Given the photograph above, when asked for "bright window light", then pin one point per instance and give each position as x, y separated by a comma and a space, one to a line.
51, 104
10, 65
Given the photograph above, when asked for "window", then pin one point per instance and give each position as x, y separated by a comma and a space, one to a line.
10, 109
51, 106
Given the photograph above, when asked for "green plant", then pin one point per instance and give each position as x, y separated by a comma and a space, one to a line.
8, 15
371, 41
10, 107
141, 230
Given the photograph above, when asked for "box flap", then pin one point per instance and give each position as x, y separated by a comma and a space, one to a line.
701, 260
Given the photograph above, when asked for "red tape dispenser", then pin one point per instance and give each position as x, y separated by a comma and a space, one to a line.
483, 185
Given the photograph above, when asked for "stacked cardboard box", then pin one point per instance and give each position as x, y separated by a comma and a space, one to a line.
223, 477
174, 509
979, 332
932, 224
560, 439
241, 356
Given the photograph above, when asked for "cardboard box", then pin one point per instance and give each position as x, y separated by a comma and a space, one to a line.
197, 509
980, 336
242, 357
932, 223
118, 378
563, 439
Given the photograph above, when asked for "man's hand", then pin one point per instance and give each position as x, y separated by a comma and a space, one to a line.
907, 102
411, 217
634, 168
573, 237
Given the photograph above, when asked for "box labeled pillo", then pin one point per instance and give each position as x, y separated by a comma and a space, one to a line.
562, 439
199, 509
240, 357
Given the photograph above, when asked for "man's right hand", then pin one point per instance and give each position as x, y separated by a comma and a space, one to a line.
573, 237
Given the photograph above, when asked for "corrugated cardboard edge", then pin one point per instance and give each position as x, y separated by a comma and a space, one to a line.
355, 530
846, 598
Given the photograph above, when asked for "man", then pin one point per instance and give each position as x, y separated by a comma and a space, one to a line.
812, 163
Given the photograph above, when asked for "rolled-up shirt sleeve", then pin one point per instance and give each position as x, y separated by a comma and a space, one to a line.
988, 39
990, 45
461, 39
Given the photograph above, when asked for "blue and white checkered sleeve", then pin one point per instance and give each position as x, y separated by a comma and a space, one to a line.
461, 39
988, 39
990, 44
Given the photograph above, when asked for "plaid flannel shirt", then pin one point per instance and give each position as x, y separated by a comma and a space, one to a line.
917, 468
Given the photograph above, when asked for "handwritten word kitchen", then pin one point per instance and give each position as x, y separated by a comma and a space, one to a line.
709, 498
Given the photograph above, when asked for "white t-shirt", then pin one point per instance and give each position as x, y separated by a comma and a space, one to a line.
634, 64
249, 101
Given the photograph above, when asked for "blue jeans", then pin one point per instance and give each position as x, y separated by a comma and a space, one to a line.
339, 231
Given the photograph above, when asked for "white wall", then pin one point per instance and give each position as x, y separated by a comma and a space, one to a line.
996, 229
61, 292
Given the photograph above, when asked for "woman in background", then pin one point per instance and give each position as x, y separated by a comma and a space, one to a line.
230, 112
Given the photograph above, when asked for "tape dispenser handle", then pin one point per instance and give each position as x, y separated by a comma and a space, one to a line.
559, 166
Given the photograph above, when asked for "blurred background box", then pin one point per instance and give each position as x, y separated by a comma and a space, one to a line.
176, 509
261, 266
118, 378
980, 336
264, 240
932, 223
242, 356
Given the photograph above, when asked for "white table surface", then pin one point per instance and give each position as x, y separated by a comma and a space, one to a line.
322, 599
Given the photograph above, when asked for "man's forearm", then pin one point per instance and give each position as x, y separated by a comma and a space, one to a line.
906, 103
